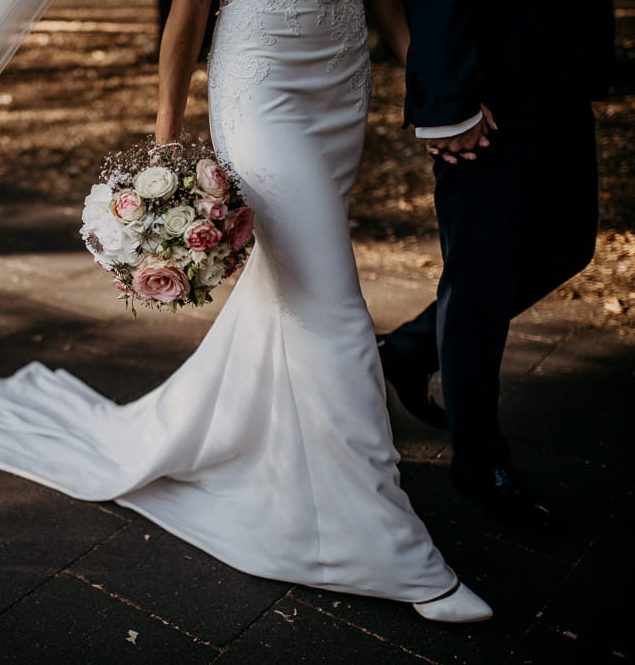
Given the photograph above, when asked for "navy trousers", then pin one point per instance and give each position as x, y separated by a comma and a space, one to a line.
513, 226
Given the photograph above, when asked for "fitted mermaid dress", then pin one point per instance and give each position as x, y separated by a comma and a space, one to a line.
270, 448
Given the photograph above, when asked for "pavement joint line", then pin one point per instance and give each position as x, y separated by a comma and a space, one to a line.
514, 385
229, 645
61, 570
532, 337
114, 513
130, 603
573, 636
558, 587
370, 633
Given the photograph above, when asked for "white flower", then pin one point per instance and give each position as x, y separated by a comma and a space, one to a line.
219, 252
211, 272
177, 220
145, 225
198, 257
156, 182
151, 243
106, 237
178, 256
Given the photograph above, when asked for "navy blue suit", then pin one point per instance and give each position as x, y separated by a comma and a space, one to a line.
521, 219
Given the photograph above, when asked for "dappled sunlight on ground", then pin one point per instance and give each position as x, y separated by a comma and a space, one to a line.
85, 82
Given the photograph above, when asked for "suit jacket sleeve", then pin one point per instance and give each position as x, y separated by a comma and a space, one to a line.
443, 79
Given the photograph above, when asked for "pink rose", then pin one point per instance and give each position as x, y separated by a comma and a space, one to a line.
158, 281
202, 236
127, 205
239, 226
211, 178
211, 208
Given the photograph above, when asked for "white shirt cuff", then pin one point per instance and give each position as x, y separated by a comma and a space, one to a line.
448, 131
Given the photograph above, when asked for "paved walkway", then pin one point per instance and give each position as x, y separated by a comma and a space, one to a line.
94, 583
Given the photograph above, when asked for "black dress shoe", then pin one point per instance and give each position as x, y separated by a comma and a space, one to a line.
500, 491
411, 385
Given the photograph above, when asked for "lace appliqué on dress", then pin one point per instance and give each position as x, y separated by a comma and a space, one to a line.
289, 7
347, 21
231, 77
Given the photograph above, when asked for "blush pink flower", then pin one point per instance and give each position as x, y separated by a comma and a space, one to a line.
211, 208
157, 281
239, 226
127, 205
202, 236
211, 178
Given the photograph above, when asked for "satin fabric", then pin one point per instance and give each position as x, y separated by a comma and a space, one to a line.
270, 448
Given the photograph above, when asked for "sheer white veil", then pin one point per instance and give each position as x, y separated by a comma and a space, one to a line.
17, 18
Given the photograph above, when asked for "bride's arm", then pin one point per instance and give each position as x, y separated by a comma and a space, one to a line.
391, 17
180, 46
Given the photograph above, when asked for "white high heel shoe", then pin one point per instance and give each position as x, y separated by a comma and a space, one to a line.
459, 606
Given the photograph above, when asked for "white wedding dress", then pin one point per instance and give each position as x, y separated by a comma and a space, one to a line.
270, 448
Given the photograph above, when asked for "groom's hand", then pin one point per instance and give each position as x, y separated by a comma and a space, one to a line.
464, 146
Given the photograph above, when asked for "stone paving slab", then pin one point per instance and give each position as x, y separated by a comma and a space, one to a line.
291, 633
596, 599
493, 568
583, 402
42, 531
168, 577
543, 646
69, 622
567, 401
583, 497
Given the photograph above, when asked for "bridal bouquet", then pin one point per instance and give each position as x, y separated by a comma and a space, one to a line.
168, 222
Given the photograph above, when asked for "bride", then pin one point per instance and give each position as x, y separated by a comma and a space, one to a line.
270, 447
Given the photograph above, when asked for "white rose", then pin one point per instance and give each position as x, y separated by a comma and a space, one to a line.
156, 182
211, 272
177, 220
105, 236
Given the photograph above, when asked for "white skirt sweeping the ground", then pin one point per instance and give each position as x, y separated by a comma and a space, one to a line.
270, 447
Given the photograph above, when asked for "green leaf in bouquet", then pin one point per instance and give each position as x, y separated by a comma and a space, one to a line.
200, 295
189, 181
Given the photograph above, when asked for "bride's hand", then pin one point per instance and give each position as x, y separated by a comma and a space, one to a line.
180, 46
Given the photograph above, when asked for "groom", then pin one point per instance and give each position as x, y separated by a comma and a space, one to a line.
516, 199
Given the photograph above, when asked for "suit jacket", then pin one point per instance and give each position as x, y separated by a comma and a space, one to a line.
533, 62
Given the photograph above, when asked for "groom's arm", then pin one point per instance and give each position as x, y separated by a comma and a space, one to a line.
443, 77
